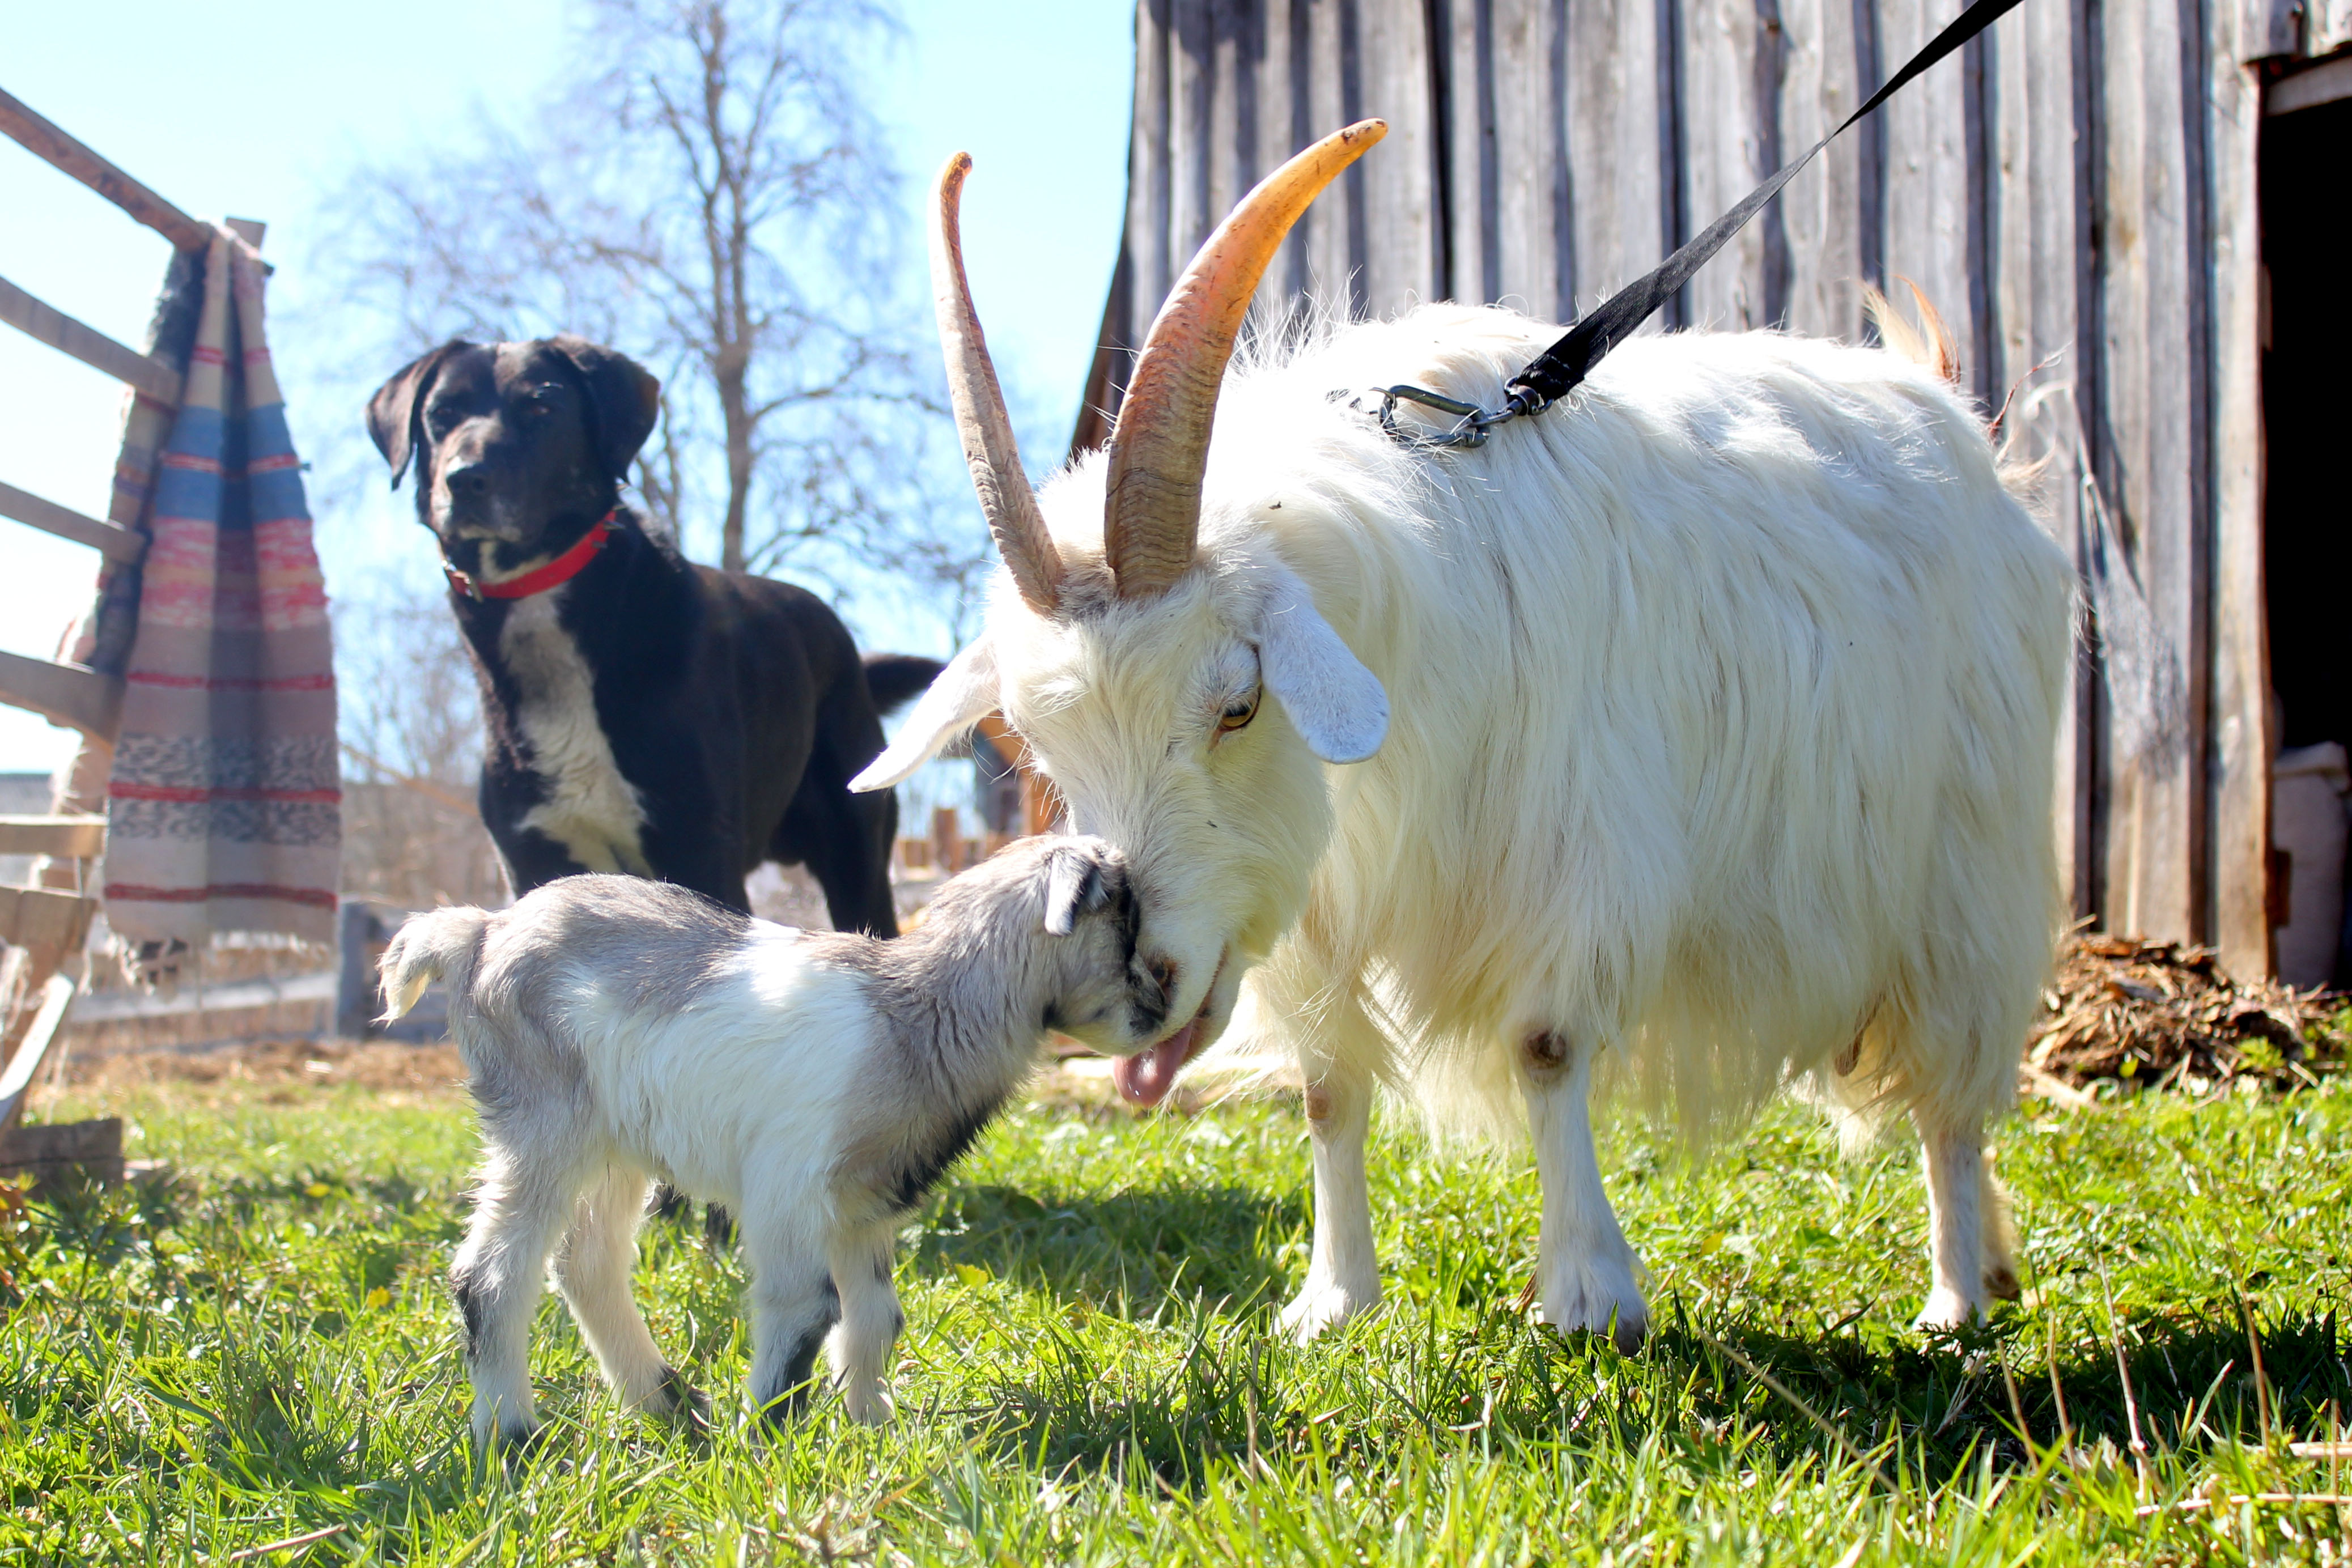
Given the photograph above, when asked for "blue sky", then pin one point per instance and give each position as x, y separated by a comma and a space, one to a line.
256, 116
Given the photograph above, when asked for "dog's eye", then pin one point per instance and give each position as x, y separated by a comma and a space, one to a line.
1238, 712
439, 419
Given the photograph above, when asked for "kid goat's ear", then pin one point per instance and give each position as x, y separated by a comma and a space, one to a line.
1074, 884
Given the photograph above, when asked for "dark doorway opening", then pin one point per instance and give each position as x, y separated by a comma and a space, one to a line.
2307, 520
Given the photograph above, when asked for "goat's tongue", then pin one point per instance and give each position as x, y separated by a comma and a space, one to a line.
1146, 1077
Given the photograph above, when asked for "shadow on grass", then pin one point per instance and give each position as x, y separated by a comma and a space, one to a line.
1124, 1254
1506, 1385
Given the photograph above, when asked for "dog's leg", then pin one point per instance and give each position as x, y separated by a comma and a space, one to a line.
593, 1270
1343, 1272
1584, 1269
519, 1212
794, 1304
859, 1348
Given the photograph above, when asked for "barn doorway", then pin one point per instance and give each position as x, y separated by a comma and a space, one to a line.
2306, 342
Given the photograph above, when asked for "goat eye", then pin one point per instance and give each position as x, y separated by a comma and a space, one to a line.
1239, 712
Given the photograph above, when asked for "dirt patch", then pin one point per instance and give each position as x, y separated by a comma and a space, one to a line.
283, 1064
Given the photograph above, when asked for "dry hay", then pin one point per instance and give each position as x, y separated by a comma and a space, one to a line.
2129, 1011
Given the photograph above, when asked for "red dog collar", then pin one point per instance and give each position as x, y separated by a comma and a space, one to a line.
555, 574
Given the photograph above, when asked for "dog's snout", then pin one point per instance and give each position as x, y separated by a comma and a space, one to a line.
470, 480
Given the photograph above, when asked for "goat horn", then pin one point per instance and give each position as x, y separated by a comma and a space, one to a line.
1151, 512
981, 422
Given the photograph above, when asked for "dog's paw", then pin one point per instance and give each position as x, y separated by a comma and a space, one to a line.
1323, 1304
1947, 1311
1595, 1295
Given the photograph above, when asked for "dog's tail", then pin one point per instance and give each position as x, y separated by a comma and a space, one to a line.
442, 944
895, 679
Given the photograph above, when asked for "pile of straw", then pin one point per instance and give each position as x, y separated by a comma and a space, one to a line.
2161, 1013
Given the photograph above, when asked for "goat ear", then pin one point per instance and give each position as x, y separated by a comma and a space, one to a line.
626, 396
963, 692
391, 412
1338, 707
1074, 884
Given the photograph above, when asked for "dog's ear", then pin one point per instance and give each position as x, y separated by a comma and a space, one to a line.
1074, 884
391, 412
623, 394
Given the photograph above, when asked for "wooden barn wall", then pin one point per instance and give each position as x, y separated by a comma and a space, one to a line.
2052, 191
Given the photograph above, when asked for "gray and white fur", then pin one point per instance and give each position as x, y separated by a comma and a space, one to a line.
618, 1033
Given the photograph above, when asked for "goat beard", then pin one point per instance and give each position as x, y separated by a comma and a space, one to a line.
1145, 1078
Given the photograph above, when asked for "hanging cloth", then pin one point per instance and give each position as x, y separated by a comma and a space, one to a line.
224, 810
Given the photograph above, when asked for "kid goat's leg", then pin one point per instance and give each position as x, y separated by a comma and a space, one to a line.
519, 1212
1584, 1269
593, 1270
859, 1349
794, 1303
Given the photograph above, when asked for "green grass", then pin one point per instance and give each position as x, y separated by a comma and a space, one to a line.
262, 1348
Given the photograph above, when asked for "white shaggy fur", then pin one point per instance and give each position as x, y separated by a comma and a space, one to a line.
1719, 704
617, 1031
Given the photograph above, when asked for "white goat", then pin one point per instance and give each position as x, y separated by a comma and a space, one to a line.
616, 1030
1724, 697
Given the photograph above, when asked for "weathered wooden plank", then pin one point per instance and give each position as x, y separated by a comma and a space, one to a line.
2327, 26
1192, 132
46, 140
41, 917
58, 1156
2040, 251
1533, 243
26, 1046
2310, 89
2243, 745
1150, 242
69, 695
1927, 185
1336, 239
1464, 68
1724, 135
1618, 179
2154, 380
111, 540
92, 348
1399, 184
67, 838
1821, 211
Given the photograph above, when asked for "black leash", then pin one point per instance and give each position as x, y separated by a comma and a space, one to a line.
1557, 370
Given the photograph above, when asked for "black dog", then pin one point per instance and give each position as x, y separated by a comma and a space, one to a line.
646, 715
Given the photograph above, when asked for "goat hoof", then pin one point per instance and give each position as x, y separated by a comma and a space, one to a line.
687, 1406
1320, 1306
1600, 1299
2001, 1283
1947, 1311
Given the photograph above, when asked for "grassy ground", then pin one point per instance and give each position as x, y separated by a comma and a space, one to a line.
260, 1349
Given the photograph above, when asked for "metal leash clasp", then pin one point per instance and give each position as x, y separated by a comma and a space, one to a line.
1471, 421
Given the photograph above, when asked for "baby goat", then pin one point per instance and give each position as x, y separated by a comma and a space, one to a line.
618, 1031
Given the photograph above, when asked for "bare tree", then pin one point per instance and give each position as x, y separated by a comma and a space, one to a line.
713, 198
